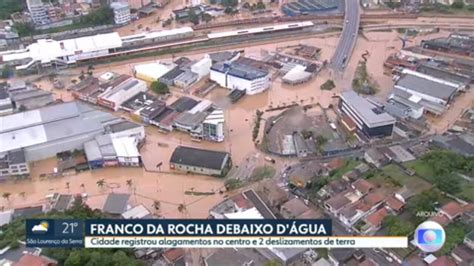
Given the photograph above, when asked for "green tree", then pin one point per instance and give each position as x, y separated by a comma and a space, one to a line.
230, 3
6, 72
159, 87
193, 17
427, 201
101, 183
449, 184
397, 227
206, 17
328, 85
260, 5
458, 4
8, 7
24, 29
6, 195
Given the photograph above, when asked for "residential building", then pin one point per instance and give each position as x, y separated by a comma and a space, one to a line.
44, 132
452, 210
61, 202
375, 157
370, 118
272, 194
171, 75
121, 12
213, 126
38, 12
240, 76
137, 212
207, 162
293, 208
225, 255
114, 97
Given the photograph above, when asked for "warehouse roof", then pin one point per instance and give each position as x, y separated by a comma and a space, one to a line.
125, 147
366, 110
192, 120
46, 50
427, 85
183, 104
49, 124
156, 34
199, 157
116, 203
240, 70
29, 94
152, 70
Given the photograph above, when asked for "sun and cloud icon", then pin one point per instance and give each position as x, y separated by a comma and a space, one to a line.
42, 227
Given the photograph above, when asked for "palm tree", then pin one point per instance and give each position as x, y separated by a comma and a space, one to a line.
6, 195
101, 183
83, 186
67, 185
129, 183
182, 208
157, 206
22, 194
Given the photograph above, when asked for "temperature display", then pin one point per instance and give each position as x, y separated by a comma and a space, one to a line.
54, 233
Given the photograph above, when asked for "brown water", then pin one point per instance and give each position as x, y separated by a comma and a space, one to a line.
170, 188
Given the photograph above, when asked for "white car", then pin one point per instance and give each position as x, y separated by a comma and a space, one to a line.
389, 259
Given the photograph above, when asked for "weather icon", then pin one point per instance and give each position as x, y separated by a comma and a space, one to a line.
41, 227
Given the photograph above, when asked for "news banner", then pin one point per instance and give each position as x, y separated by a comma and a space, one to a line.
108, 233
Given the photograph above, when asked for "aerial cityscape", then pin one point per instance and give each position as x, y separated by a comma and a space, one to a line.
357, 111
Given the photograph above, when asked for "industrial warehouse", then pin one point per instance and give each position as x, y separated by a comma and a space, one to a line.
47, 53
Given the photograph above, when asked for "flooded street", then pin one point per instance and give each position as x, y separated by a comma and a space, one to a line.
155, 181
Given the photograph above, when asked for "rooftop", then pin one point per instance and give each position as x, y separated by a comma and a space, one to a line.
240, 70
29, 94
427, 85
116, 203
229, 257
199, 157
183, 104
371, 114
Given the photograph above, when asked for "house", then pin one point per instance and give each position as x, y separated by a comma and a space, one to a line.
285, 256
174, 256
302, 175
339, 256
469, 239
11, 256
228, 256
293, 208
351, 213
394, 205
452, 210
362, 186
375, 157
463, 255
311, 214
61, 202
127, 151
13, 163
369, 117
374, 220
444, 261
274, 195
337, 202
116, 204
35, 260
200, 161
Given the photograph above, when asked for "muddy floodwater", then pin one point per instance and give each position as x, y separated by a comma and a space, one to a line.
155, 181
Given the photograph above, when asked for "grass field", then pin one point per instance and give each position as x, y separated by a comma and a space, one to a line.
391, 178
424, 170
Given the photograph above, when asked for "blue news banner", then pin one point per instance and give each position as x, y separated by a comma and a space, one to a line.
71, 233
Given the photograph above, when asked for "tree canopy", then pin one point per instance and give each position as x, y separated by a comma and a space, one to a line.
159, 87
397, 227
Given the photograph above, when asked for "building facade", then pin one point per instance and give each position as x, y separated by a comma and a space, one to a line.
199, 161
121, 12
369, 118
240, 76
38, 12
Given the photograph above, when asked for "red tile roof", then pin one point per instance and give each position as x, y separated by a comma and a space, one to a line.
174, 254
363, 185
33, 260
452, 209
441, 219
394, 203
373, 198
444, 261
368, 262
377, 217
241, 201
463, 252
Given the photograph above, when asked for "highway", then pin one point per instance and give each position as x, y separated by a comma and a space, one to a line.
348, 36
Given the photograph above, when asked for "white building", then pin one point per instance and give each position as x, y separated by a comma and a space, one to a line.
6, 106
47, 52
240, 76
202, 67
152, 71
38, 12
121, 12
127, 152
114, 97
213, 126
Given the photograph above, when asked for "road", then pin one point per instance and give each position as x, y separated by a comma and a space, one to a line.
348, 36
